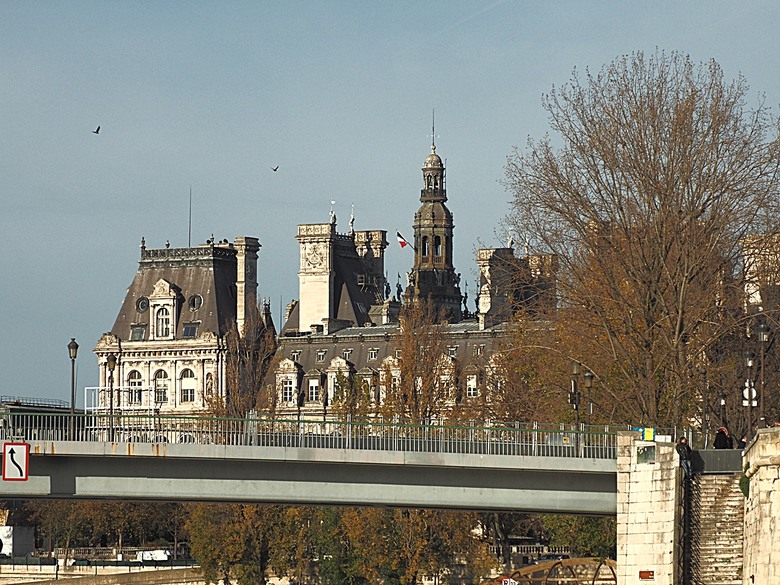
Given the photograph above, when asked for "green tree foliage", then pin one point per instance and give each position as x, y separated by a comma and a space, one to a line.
655, 176
588, 536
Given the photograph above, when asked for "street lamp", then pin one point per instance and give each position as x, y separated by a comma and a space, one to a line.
763, 338
73, 350
588, 386
749, 393
722, 401
111, 364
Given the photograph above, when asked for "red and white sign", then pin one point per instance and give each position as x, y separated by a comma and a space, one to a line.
16, 459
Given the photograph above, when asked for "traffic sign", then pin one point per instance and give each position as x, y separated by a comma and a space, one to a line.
16, 459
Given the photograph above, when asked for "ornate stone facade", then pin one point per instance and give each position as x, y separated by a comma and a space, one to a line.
169, 336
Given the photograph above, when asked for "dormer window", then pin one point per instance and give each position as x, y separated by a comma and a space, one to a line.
373, 353
346, 353
321, 355
137, 332
295, 354
190, 330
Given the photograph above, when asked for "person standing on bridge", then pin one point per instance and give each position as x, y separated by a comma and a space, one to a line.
723, 439
684, 451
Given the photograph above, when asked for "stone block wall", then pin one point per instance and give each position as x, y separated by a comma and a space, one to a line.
647, 511
762, 509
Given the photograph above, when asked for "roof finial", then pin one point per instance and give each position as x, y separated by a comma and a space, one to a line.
332, 214
433, 131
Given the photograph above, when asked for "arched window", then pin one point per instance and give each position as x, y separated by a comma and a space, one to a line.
429, 182
187, 385
163, 328
437, 246
161, 387
425, 246
135, 383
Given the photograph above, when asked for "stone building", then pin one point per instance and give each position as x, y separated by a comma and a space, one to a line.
345, 324
169, 338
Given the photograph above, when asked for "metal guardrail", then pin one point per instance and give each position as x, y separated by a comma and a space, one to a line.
518, 439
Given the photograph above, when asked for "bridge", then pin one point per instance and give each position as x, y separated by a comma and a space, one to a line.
522, 467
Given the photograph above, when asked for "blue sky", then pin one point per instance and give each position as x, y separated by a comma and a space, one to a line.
211, 95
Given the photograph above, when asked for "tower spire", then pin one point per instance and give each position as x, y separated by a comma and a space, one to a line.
433, 131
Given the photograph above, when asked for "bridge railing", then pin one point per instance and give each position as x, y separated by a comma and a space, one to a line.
435, 436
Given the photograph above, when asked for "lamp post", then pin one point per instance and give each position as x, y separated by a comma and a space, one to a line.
73, 350
750, 392
111, 364
722, 401
588, 386
574, 400
763, 338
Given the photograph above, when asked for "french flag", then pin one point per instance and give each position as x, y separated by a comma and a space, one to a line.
402, 241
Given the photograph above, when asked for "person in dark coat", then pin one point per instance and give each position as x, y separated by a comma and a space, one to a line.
723, 440
684, 451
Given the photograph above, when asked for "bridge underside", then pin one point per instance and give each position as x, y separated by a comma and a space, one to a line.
304, 477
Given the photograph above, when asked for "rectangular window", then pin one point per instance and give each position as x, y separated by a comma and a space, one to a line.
287, 391
321, 355
190, 330
346, 354
314, 390
295, 354
373, 353
137, 332
472, 390
453, 350
398, 354
188, 394
479, 350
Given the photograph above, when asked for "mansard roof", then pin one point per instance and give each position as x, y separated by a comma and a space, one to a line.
204, 279
368, 347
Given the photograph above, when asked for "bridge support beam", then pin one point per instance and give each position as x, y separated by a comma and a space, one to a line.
648, 487
761, 462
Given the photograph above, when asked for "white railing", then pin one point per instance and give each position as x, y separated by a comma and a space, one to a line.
517, 439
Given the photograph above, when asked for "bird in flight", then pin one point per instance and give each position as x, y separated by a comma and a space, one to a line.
96, 130
276, 168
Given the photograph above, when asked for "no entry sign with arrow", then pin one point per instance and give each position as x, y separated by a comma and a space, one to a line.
16, 457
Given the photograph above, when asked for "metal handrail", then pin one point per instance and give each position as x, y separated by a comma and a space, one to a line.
475, 437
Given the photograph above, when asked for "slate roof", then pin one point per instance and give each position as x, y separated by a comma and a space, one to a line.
208, 271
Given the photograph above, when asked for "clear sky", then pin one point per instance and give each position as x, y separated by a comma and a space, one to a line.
339, 95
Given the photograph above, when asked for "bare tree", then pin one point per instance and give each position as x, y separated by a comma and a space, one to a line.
657, 174
249, 357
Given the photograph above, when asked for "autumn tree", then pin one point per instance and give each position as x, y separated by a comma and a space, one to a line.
656, 173
400, 546
61, 522
233, 542
427, 380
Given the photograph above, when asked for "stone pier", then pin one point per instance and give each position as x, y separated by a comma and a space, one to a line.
761, 464
648, 485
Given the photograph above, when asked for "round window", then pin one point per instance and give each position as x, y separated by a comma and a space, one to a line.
195, 302
142, 304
